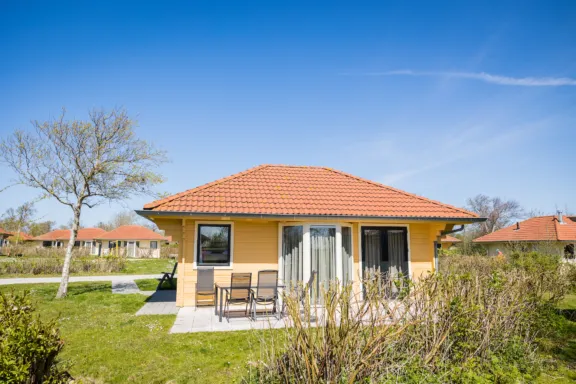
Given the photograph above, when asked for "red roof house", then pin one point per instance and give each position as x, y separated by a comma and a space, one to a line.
132, 241
300, 219
553, 232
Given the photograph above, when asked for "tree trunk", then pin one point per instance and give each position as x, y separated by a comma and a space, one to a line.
63, 289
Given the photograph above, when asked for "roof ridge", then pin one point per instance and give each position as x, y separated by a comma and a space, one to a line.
399, 191
157, 203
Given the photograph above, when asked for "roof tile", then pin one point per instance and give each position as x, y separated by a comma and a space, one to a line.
303, 190
541, 228
84, 234
131, 232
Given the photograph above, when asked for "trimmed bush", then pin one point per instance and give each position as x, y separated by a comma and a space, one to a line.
28, 346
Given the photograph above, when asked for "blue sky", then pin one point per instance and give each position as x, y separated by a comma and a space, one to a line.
443, 99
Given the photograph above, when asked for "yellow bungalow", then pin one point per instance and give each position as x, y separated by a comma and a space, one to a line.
299, 219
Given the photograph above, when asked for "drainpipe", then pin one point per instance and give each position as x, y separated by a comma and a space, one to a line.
442, 234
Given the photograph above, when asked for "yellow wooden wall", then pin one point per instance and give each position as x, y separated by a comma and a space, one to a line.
256, 248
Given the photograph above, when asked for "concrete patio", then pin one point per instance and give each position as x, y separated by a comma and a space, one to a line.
203, 319
160, 303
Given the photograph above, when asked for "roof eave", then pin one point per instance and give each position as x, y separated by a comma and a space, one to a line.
149, 214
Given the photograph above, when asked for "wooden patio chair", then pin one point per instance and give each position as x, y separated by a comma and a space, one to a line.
205, 286
238, 293
168, 276
266, 292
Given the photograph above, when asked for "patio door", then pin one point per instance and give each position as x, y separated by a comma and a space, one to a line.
292, 255
131, 249
324, 249
323, 252
384, 250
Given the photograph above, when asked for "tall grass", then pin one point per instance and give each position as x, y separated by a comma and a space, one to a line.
53, 266
473, 324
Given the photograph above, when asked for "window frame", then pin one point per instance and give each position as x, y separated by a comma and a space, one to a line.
307, 256
155, 242
197, 226
390, 226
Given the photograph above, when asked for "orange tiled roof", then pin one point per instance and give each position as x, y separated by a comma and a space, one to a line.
131, 232
4, 232
304, 191
84, 234
23, 236
542, 228
450, 239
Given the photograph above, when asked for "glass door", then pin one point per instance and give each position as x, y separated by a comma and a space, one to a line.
292, 255
323, 255
385, 253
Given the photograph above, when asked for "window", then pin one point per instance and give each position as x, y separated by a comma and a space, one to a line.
46, 243
76, 243
292, 255
213, 246
347, 262
111, 244
569, 251
154, 245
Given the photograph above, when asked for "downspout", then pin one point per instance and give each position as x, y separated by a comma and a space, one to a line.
442, 234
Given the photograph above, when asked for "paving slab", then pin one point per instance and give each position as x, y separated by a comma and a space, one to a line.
125, 287
190, 320
160, 303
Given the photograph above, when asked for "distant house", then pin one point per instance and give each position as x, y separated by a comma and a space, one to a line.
3, 236
554, 234
20, 237
448, 241
131, 241
59, 238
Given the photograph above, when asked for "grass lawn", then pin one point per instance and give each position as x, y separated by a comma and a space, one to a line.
133, 267
564, 349
106, 343
152, 284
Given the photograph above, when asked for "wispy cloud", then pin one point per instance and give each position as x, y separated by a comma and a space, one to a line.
486, 77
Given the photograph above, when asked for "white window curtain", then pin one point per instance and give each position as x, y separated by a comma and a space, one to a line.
292, 255
372, 251
397, 252
323, 255
347, 262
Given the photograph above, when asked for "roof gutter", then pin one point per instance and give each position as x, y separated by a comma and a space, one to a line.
444, 233
149, 214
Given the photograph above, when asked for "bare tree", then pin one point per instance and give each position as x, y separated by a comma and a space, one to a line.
41, 227
498, 212
19, 219
82, 164
126, 218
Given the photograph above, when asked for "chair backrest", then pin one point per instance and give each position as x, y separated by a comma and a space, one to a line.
240, 285
174, 269
267, 284
310, 284
205, 278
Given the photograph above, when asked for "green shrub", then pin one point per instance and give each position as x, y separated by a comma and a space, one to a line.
478, 321
51, 266
28, 346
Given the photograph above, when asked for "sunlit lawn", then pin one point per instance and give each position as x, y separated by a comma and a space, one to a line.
105, 342
564, 348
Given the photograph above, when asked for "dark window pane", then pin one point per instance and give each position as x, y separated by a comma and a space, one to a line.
213, 244
154, 244
76, 243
